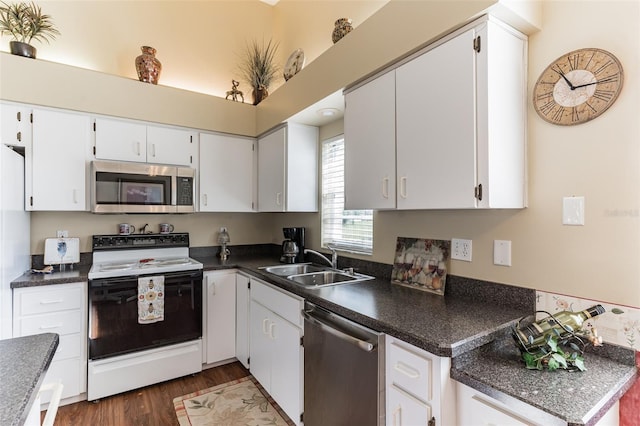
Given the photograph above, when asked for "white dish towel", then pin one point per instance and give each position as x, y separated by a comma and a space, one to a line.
150, 299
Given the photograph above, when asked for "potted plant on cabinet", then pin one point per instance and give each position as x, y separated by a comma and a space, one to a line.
258, 68
25, 22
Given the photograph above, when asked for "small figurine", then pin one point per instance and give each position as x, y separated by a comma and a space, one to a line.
234, 92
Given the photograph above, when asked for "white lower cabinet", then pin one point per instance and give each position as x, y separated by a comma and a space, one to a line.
57, 309
418, 387
242, 319
276, 353
407, 409
478, 409
220, 314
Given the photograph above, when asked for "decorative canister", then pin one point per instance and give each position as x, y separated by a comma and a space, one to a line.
148, 66
343, 27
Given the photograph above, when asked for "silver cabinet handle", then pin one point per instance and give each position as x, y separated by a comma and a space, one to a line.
403, 187
385, 187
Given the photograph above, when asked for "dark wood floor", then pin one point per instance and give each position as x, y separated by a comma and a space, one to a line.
150, 406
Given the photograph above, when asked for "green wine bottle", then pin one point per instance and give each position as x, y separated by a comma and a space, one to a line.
564, 323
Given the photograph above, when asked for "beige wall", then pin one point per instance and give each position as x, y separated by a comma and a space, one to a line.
598, 160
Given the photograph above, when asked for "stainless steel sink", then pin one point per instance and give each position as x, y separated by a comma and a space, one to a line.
315, 276
295, 269
326, 278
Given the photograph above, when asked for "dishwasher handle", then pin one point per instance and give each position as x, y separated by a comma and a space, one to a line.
362, 344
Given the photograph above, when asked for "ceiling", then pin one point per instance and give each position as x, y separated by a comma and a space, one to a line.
322, 112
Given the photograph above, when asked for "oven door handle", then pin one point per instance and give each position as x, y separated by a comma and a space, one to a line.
362, 344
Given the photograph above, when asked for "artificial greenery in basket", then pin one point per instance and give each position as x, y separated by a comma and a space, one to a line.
258, 67
560, 350
25, 22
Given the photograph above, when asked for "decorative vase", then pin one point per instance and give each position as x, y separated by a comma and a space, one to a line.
343, 27
22, 49
148, 66
259, 94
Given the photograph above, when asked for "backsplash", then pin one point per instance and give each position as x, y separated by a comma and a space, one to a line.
619, 325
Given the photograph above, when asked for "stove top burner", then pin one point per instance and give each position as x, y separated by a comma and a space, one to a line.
143, 254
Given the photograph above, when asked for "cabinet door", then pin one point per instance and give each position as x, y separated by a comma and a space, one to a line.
271, 164
260, 324
475, 408
15, 125
166, 145
56, 163
242, 319
221, 316
405, 410
120, 140
301, 158
286, 367
370, 145
226, 173
436, 127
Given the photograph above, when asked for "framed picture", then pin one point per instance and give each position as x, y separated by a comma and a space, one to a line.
142, 193
421, 263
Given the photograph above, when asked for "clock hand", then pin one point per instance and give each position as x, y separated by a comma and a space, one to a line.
559, 71
604, 80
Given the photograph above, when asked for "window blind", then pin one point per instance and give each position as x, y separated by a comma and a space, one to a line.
347, 230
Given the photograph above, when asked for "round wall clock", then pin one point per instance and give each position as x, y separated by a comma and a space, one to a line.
578, 86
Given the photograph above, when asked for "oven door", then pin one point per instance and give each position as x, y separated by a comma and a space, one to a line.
113, 314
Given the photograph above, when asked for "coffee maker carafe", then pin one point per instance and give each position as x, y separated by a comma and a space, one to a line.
293, 245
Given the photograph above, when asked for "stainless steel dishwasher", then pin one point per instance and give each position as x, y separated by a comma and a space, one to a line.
343, 371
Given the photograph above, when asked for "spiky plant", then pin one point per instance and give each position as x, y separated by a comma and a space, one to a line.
26, 22
257, 65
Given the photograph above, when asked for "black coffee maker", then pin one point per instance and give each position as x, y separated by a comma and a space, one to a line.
293, 245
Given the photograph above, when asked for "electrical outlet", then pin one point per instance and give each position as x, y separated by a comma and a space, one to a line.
62, 234
461, 249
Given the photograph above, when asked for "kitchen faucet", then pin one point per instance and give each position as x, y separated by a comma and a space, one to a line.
334, 256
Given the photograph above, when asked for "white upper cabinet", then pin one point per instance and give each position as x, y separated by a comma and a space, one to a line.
120, 140
125, 140
288, 169
436, 127
15, 124
460, 122
227, 173
167, 145
56, 161
370, 145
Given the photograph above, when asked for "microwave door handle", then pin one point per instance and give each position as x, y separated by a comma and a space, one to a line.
174, 187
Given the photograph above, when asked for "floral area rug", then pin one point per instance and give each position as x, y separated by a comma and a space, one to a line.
239, 402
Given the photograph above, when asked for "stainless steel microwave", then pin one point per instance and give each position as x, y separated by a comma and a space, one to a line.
120, 187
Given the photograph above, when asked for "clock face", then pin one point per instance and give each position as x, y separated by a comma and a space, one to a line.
578, 86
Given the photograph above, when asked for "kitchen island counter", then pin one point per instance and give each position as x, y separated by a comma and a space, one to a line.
23, 364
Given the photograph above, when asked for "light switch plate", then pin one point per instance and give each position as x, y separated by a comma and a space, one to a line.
573, 211
502, 252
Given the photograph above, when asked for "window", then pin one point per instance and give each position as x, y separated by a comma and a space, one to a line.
347, 230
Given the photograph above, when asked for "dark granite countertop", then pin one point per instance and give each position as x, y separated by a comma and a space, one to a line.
465, 324
23, 364
572, 398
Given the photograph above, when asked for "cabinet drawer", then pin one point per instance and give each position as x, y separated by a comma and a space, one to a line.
287, 306
410, 372
43, 301
405, 410
67, 322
